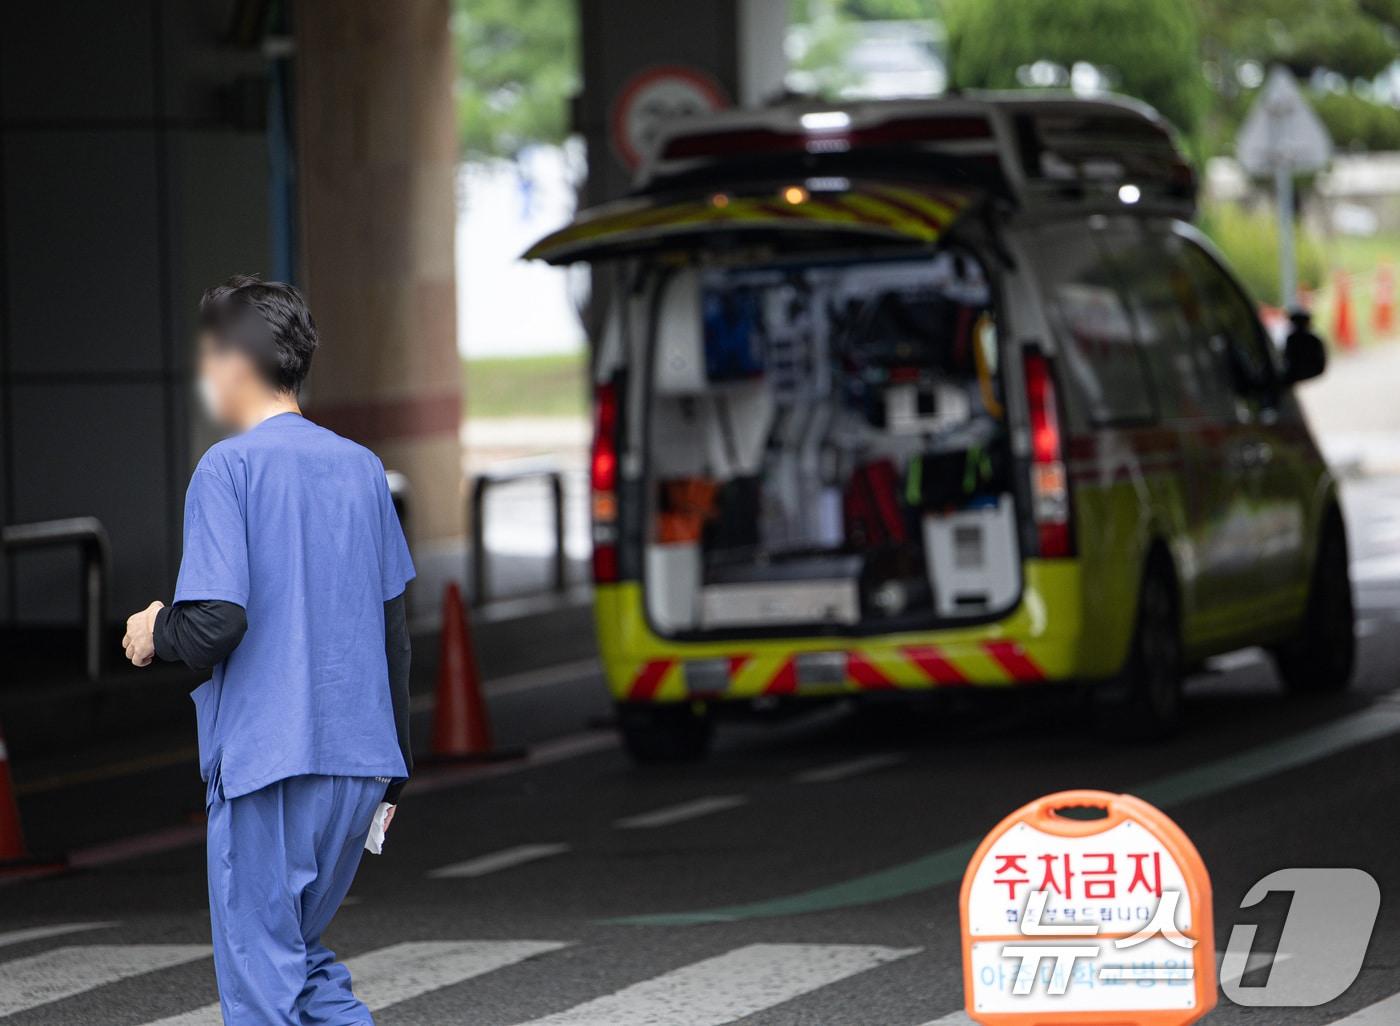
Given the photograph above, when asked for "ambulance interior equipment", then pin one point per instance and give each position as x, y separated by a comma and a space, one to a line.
826, 448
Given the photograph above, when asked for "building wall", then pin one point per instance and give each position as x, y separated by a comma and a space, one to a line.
139, 161
133, 172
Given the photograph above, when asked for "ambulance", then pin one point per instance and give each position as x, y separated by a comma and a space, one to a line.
909, 395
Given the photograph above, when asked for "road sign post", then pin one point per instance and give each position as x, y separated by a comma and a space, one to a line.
1281, 137
1287, 261
1086, 908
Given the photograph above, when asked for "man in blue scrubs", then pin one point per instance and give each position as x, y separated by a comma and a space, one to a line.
291, 590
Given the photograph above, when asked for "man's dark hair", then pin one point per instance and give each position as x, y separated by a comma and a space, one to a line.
268, 321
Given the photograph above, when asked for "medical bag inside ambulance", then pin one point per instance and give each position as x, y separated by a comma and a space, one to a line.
826, 449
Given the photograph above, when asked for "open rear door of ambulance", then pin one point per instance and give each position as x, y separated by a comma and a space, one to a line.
811, 345
801, 214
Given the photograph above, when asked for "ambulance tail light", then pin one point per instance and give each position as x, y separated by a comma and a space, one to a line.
603, 480
1050, 504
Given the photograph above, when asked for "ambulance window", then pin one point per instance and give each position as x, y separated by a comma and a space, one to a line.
1237, 343
1169, 319
1101, 354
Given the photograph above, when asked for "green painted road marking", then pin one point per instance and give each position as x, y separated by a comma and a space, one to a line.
895, 882
947, 865
1380, 720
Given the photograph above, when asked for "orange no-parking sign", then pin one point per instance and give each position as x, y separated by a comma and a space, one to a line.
1086, 908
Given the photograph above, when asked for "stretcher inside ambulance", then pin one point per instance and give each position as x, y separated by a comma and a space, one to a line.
825, 447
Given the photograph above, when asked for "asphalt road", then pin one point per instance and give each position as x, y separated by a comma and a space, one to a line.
806, 874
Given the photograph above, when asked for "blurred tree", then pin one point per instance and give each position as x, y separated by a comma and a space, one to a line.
829, 36
1357, 123
1335, 44
829, 31
1355, 38
517, 69
803, 11
1146, 48
894, 10
1249, 240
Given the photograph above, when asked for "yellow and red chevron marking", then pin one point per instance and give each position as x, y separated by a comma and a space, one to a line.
908, 667
917, 212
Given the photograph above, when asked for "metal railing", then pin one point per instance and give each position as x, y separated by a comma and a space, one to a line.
88, 534
512, 473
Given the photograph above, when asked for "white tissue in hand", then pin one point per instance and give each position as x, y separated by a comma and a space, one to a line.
383, 816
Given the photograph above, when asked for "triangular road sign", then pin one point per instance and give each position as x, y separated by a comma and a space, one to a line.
1282, 132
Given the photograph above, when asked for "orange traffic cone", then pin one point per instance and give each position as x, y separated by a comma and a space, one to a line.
14, 854
1383, 302
461, 730
1343, 327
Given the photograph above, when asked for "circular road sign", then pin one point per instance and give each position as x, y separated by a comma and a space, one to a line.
655, 96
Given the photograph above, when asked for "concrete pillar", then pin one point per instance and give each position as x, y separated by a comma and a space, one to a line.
376, 159
762, 57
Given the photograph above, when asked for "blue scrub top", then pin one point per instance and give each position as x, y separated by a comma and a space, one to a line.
295, 524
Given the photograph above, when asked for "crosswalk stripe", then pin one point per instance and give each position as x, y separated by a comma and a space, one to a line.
952, 1019
498, 860
409, 970
63, 972
682, 812
1254, 961
850, 768
401, 972
34, 933
728, 987
1239, 659
1382, 1013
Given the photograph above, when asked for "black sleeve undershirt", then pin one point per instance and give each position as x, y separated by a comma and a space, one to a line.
399, 652
199, 634
202, 634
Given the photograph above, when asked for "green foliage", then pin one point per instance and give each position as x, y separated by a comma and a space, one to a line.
893, 10
803, 11
1354, 122
1356, 38
831, 33
1149, 47
554, 385
518, 60
1249, 240
824, 60
1385, 11
517, 68
1358, 124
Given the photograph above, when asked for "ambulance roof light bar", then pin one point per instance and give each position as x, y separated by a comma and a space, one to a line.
1050, 148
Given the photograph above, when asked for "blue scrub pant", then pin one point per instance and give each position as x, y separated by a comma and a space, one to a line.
280, 862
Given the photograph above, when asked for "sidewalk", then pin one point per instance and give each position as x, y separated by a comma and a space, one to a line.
1354, 411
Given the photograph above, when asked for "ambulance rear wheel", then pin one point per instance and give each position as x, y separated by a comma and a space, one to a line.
668, 733
1144, 703
1321, 656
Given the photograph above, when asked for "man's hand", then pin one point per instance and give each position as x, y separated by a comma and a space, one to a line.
139, 642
